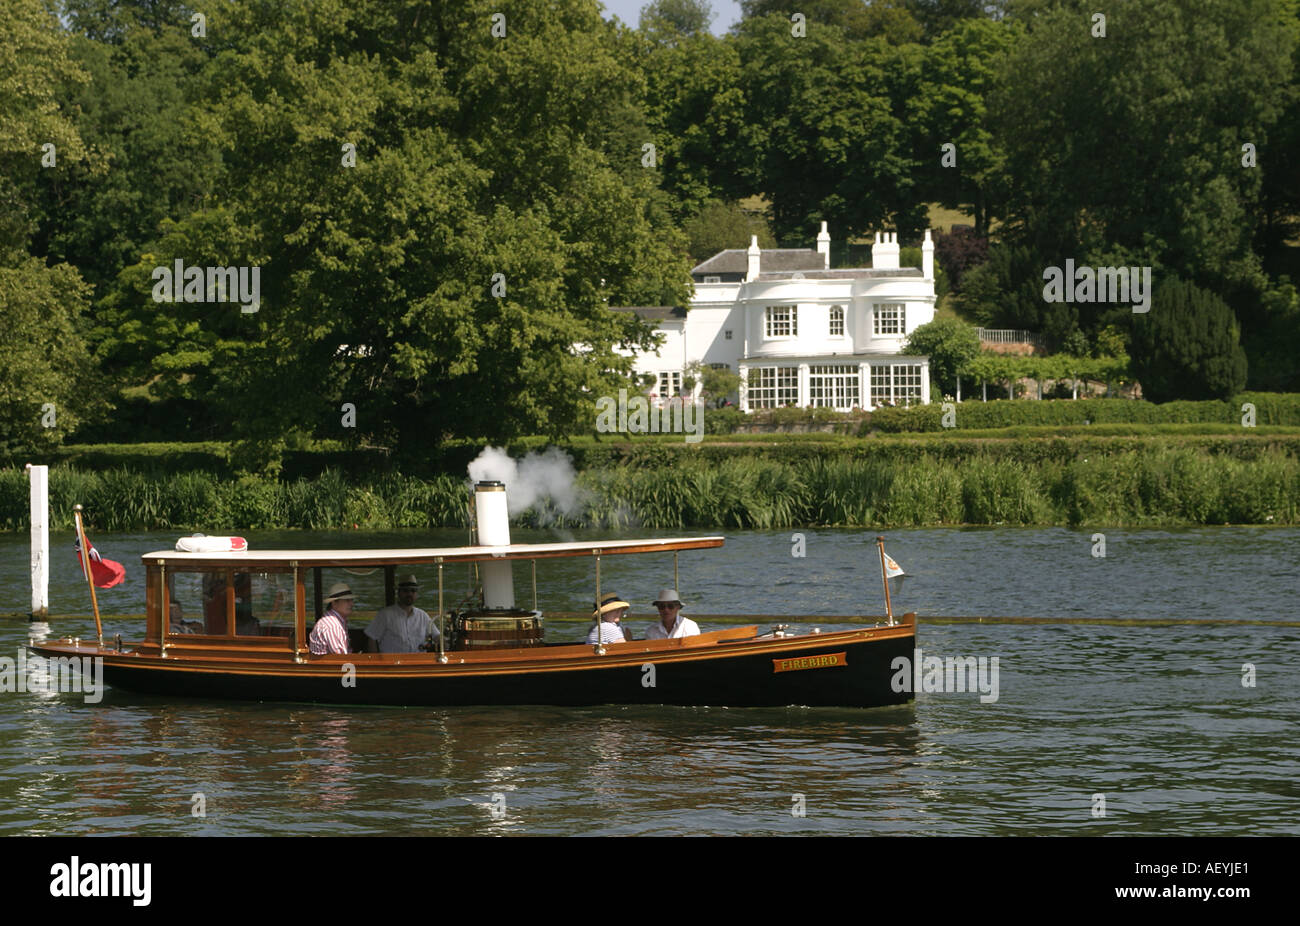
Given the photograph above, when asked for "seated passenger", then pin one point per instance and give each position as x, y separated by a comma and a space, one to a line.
609, 612
330, 635
175, 618
245, 623
671, 623
402, 627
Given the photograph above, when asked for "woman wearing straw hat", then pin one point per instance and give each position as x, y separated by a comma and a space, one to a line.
671, 623
609, 611
330, 635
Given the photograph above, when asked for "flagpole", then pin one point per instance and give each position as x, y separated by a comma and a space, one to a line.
889, 605
85, 567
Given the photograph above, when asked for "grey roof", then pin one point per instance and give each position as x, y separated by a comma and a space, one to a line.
736, 260
845, 274
652, 313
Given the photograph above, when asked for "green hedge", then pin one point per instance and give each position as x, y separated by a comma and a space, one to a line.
1271, 408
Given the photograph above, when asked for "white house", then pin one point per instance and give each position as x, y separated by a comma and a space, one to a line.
798, 332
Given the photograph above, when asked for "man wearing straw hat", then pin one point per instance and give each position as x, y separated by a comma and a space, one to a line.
330, 635
671, 623
609, 611
402, 627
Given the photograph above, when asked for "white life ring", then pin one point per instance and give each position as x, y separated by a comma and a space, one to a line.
201, 544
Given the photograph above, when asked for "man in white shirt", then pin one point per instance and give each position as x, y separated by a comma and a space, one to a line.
401, 627
609, 612
671, 623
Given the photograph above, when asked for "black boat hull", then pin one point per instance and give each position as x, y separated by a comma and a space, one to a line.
745, 676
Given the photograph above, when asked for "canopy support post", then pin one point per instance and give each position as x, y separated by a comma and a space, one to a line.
299, 615
166, 603
600, 649
442, 622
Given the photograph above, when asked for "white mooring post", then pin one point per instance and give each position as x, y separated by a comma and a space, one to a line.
40, 508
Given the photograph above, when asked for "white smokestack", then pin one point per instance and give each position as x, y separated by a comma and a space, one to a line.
491, 511
824, 247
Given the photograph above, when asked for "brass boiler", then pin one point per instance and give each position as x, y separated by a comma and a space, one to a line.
504, 628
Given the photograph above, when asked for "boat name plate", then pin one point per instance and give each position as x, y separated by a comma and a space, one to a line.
798, 663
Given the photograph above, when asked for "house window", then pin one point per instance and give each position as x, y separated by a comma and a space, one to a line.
720, 366
713, 279
891, 318
833, 387
670, 384
837, 321
896, 384
727, 334
773, 387
782, 321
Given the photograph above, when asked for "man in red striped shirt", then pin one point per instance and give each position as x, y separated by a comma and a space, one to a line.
330, 635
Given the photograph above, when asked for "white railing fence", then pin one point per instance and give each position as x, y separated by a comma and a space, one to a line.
1011, 336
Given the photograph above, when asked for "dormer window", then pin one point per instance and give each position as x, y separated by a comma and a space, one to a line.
782, 321
837, 321
891, 318
713, 279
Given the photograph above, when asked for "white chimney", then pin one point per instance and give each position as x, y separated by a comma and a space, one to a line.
824, 247
754, 254
927, 256
884, 253
493, 519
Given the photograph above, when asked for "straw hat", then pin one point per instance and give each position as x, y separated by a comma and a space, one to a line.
610, 603
338, 592
408, 580
668, 596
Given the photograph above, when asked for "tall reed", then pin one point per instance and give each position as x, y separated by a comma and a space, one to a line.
1162, 485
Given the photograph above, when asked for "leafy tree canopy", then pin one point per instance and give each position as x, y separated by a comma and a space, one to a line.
1187, 346
950, 344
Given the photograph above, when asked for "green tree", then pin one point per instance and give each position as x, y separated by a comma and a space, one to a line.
1006, 291
715, 384
1133, 141
45, 377
45, 380
946, 96
696, 119
670, 21
950, 344
151, 158
827, 142
938, 17
436, 277
719, 226
39, 143
1187, 346
890, 19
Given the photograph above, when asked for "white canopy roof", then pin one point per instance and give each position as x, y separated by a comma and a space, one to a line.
250, 559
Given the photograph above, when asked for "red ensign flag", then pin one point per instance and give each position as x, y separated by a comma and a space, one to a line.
104, 572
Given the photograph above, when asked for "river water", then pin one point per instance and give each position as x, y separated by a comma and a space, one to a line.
1157, 725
